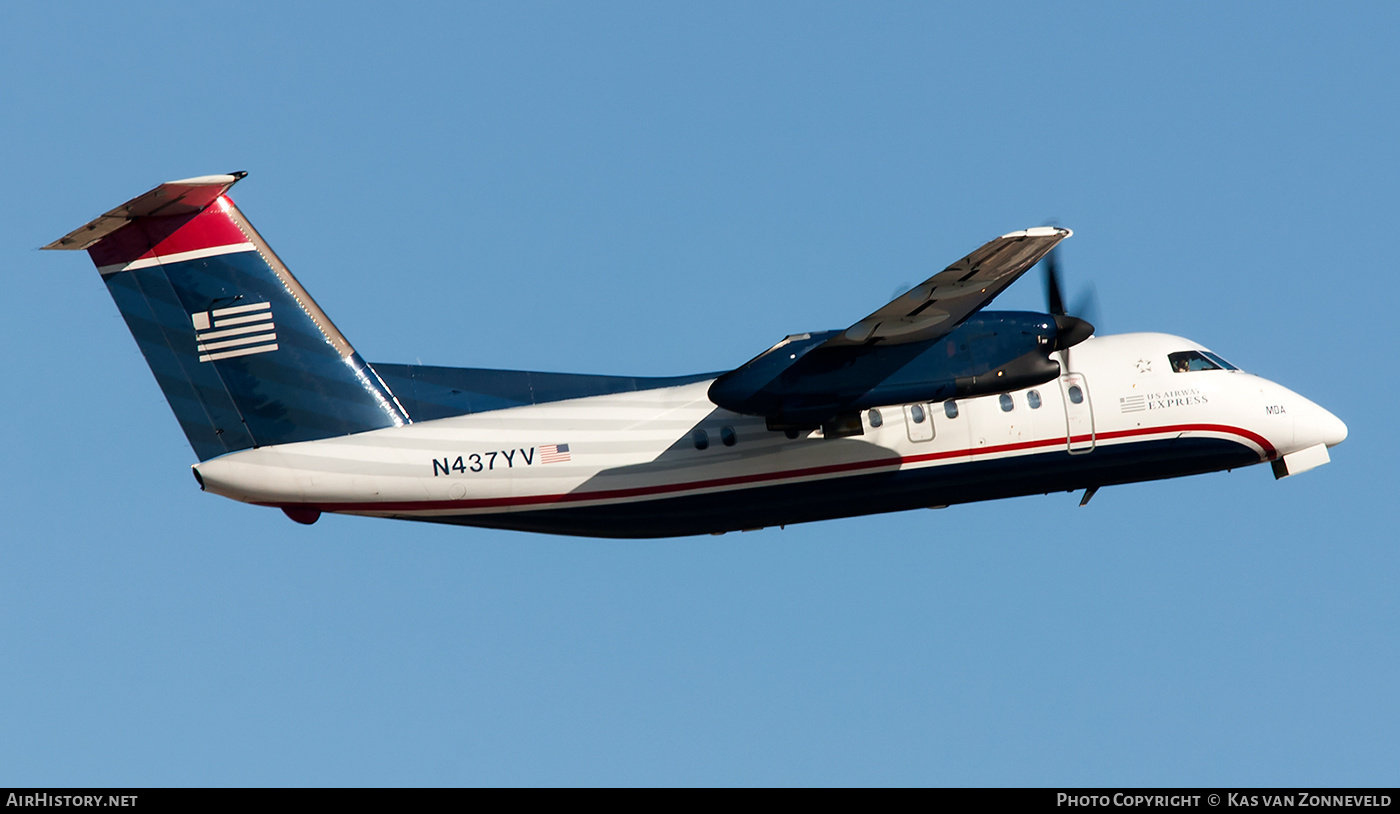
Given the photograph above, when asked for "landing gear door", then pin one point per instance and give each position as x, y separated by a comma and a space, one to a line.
1079, 413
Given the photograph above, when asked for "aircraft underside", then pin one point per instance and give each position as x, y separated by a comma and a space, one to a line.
891, 491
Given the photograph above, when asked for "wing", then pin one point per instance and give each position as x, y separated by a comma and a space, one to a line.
811, 379
936, 306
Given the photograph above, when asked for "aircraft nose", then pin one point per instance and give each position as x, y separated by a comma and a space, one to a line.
1314, 425
1334, 430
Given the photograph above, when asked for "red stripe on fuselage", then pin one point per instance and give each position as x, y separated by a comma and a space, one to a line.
160, 236
1259, 440
738, 480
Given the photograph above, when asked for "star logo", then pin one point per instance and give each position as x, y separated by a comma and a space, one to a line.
1144, 365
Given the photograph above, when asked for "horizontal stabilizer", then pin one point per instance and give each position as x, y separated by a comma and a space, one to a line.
185, 197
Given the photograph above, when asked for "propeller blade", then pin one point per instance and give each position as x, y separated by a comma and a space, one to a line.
1072, 326
1086, 305
1053, 298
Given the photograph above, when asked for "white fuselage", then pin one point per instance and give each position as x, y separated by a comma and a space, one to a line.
632, 466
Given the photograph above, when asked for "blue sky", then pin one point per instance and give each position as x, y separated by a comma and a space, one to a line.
659, 189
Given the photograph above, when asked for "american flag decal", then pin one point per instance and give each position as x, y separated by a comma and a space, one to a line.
1132, 404
554, 453
238, 331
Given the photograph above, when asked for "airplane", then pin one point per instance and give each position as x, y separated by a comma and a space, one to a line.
931, 400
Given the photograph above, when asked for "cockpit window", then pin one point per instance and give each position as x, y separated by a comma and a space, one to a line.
1186, 361
1215, 357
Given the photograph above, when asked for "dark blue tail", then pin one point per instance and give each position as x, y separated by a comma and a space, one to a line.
243, 354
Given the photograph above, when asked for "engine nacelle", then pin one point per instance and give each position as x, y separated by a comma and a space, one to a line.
799, 384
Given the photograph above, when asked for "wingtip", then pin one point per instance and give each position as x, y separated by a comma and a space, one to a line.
1041, 231
210, 180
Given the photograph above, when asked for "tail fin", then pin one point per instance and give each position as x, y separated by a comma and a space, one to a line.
243, 354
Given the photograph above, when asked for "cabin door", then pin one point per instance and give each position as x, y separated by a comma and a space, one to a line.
919, 421
1079, 413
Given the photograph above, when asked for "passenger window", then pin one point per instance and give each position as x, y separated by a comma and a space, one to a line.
1033, 399
1187, 361
876, 420
917, 413
1075, 394
950, 408
727, 436
701, 439
1007, 404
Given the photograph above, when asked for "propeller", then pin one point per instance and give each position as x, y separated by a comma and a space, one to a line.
1070, 329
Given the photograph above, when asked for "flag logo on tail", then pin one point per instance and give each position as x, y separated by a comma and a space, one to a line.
554, 453
224, 333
